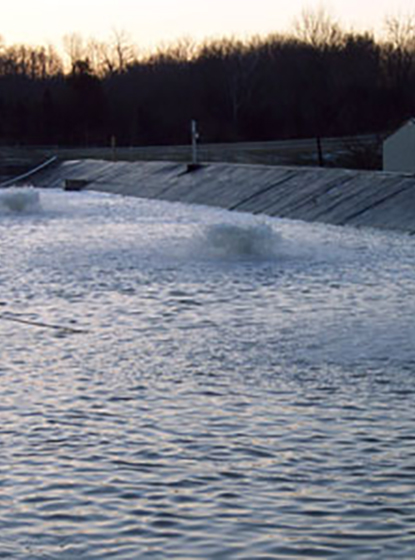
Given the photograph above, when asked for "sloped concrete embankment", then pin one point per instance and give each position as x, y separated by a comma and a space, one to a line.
334, 196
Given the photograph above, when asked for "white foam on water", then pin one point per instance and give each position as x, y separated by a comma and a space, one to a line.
137, 229
20, 200
230, 240
158, 230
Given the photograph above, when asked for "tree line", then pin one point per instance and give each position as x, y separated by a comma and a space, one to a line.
318, 80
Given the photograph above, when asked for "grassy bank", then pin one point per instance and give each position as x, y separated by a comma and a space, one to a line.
361, 152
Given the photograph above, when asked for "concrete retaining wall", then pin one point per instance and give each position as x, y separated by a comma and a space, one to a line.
334, 196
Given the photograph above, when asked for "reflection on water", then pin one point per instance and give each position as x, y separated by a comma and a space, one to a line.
197, 384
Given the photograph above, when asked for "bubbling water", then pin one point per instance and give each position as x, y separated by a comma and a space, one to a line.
19, 200
232, 241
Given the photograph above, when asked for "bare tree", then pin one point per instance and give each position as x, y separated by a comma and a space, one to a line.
103, 57
318, 28
54, 62
74, 48
184, 50
400, 31
124, 50
241, 64
399, 51
100, 56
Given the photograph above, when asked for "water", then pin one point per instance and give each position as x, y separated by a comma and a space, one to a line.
182, 382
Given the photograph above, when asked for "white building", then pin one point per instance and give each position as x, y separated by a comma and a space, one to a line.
399, 149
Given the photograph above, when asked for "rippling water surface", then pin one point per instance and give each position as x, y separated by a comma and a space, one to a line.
182, 382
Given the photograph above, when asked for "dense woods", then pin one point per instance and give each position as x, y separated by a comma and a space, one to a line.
320, 80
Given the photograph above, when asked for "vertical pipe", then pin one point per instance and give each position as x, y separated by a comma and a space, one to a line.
320, 152
113, 147
194, 142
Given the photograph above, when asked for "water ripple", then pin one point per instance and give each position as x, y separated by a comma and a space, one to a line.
257, 406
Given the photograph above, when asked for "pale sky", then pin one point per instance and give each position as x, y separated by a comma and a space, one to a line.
152, 22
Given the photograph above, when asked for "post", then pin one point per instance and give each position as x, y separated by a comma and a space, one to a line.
113, 147
320, 152
195, 137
